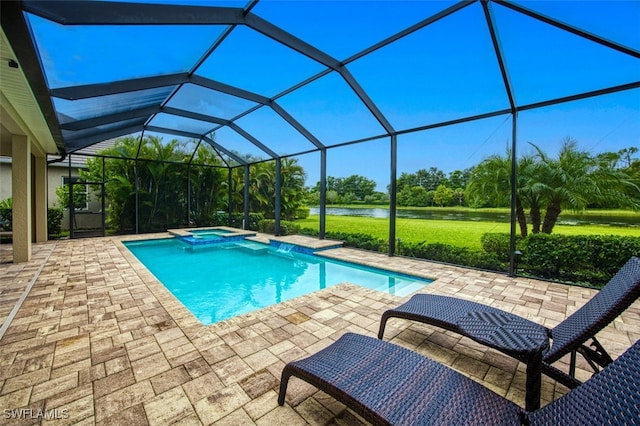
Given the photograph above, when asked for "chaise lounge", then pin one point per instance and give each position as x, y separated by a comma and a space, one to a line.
517, 336
390, 385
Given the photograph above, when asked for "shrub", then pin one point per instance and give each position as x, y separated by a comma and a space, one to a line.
302, 212
286, 227
54, 221
6, 204
452, 254
591, 259
5, 219
222, 219
499, 244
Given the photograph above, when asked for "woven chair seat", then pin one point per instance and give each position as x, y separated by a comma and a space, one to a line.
390, 385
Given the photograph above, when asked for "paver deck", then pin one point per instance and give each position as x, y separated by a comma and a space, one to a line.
98, 340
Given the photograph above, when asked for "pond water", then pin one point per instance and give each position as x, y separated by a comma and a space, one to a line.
479, 215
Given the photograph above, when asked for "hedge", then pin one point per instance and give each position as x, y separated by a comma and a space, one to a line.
592, 259
268, 226
452, 254
586, 259
5, 220
222, 219
54, 221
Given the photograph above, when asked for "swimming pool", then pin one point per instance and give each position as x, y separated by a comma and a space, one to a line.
224, 280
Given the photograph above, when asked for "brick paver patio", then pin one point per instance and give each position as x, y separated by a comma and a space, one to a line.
98, 340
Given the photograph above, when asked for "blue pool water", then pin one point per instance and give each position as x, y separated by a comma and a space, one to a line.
224, 280
210, 232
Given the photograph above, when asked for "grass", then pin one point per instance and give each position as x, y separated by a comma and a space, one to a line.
455, 232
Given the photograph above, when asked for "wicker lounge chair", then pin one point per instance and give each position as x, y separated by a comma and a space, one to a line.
570, 336
388, 384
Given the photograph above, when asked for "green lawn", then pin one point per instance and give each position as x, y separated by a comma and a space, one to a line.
454, 232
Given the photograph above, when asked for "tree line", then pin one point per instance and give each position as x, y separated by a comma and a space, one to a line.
170, 186
348, 190
546, 185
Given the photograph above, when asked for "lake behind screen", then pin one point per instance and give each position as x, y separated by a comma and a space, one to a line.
479, 215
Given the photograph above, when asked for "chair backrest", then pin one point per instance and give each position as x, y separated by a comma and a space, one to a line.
611, 397
619, 293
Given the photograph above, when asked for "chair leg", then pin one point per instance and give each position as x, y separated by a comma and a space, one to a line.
284, 381
572, 364
383, 323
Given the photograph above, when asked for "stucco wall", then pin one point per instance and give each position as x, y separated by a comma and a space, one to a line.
5, 180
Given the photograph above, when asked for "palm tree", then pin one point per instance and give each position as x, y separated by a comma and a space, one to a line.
529, 190
575, 179
208, 185
262, 178
490, 184
161, 183
262, 181
293, 193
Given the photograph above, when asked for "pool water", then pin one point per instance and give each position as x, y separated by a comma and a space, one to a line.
209, 236
210, 232
221, 281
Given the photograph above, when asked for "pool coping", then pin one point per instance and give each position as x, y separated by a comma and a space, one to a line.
232, 232
301, 243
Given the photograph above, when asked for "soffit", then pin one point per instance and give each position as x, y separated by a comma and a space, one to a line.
21, 113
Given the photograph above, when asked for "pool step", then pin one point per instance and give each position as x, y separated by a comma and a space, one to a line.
403, 289
252, 248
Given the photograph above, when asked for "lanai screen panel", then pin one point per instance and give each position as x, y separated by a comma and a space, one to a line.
556, 63
213, 103
357, 25
183, 124
98, 106
613, 20
600, 124
256, 63
76, 138
436, 74
332, 111
85, 54
278, 134
205, 154
456, 147
239, 145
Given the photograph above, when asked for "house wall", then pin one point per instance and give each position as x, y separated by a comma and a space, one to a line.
5, 180
55, 175
54, 180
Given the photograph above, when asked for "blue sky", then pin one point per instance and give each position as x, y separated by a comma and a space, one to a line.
442, 72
